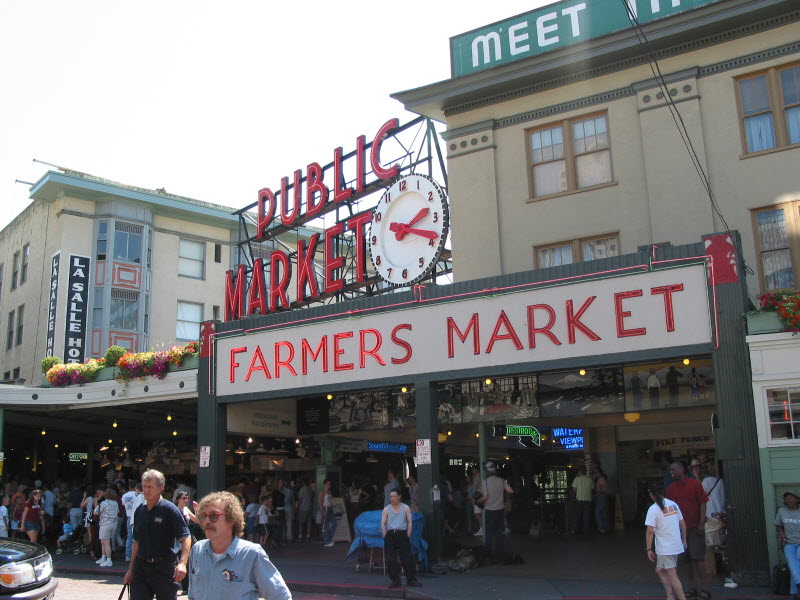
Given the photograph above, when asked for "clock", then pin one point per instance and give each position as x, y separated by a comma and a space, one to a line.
409, 228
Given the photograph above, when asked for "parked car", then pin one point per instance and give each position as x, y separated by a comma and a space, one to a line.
26, 571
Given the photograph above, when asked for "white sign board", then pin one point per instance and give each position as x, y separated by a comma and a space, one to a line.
423, 452
654, 309
205, 456
268, 417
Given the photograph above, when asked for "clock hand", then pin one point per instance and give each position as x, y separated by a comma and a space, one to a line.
420, 215
426, 233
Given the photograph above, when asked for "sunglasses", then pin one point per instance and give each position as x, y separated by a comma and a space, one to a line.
213, 516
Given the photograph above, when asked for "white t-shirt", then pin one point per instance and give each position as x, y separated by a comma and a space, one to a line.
666, 526
138, 500
3, 521
127, 502
263, 515
251, 510
716, 498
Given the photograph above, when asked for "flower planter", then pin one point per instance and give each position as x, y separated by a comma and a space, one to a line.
45, 383
191, 362
106, 374
763, 322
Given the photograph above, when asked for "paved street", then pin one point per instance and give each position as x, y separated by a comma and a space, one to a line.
81, 587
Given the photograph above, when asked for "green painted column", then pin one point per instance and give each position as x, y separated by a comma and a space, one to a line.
327, 469
212, 425
430, 503
2, 448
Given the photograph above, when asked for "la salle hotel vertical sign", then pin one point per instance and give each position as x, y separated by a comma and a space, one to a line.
77, 308
52, 303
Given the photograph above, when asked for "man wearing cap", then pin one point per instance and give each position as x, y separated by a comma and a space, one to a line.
161, 544
691, 498
787, 525
494, 507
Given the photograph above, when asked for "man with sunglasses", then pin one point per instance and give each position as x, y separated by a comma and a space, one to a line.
225, 567
161, 544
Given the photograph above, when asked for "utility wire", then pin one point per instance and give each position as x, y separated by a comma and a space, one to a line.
676, 115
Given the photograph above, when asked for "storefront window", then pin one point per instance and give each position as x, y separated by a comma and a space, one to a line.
669, 385
784, 413
576, 393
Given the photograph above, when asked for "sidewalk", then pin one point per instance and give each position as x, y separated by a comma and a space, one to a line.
313, 569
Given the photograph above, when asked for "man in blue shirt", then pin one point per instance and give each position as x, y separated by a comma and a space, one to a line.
161, 544
225, 567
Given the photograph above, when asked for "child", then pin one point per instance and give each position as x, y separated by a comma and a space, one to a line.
665, 522
264, 513
251, 518
66, 531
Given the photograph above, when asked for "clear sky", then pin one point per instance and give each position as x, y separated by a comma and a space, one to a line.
211, 100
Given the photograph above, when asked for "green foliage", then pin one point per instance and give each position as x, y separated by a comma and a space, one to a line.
49, 362
113, 354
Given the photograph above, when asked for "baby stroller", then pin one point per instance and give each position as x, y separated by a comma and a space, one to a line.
75, 543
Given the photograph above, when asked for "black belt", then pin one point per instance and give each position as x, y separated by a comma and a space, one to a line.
388, 531
156, 559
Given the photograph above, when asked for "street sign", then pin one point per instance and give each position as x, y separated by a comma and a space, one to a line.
423, 452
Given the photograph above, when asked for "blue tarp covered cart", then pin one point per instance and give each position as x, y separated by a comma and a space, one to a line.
367, 528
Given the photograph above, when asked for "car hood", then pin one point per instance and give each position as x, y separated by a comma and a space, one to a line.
17, 550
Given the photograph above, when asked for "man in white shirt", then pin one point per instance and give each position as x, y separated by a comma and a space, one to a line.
131, 500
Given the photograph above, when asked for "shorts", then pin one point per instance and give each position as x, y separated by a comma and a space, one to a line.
667, 561
696, 545
476, 509
250, 525
107, 531
261, 529
33, 526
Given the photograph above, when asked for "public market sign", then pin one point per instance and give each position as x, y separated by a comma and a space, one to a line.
655, 309
551, 27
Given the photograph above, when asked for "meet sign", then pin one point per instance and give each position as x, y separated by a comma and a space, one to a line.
654, 309
552, 27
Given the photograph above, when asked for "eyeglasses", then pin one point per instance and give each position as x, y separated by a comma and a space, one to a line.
213, 516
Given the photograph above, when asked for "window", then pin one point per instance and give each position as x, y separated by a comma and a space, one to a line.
566, 253
15, 373
10, 332
26, 253
128, 242
7, 375
215, 312
97, 309
783, 405
191, 259
769, 108
217, 253
102, 240
20, 323
124, 313
569, 156
15, 272
190, 315
1, 278
776, 245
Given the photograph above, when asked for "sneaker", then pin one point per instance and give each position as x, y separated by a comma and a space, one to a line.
127, 559
101, 561
479, 532
108, 563
507, 531
330, 545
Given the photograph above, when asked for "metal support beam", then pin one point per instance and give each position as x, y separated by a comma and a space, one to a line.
428, 475
212, 425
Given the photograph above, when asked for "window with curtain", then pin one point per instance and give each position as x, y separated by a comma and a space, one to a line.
569, 156
187, 326
777, 245
571, 251
769, 107
128, 242
191, 259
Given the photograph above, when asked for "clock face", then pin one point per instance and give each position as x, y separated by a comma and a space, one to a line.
409, 229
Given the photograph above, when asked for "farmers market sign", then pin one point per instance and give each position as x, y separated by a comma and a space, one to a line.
554, 26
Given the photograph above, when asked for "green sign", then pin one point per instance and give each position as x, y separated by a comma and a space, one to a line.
551, 27
78, 456
528, 436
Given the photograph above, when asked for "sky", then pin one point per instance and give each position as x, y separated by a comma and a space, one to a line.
210, 100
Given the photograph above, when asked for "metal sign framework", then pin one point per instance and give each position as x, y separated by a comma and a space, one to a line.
413, 147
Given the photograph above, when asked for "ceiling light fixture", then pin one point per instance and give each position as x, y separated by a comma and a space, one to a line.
686, 361
488, 381
44, 432
114, 424
582, 372
404, 389
169, 416
110, 441
329, 396
174, 432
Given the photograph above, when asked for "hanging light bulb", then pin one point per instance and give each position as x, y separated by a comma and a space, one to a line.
249, 440
449, 432
686, 361
297, 441
44, 432
488, 381
124, 448
477, 435
169, 416
404, 389
114, 424
55, 445
329, 396
110, 440
582, 372
174, 432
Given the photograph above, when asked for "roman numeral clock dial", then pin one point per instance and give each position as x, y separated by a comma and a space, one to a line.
409, 228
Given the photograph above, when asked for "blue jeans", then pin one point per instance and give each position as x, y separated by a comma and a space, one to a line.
329, 526
129, 541
600, 509
494, 528
792, 552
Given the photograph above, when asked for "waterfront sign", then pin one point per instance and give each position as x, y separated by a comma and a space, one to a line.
552, 27
567, 439
630, 313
